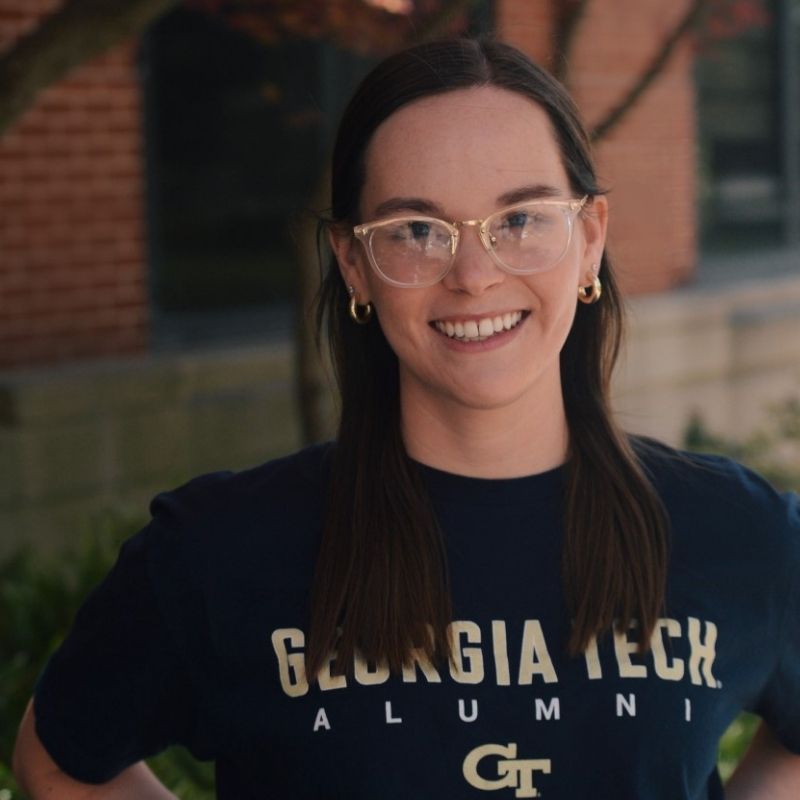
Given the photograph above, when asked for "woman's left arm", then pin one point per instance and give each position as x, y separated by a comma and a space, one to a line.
767, 771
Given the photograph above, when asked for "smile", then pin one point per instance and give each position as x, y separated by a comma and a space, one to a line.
478, 330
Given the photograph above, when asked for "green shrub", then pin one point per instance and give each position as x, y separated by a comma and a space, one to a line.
38, 601
773, 451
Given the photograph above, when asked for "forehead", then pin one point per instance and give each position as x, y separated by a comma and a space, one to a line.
462, 150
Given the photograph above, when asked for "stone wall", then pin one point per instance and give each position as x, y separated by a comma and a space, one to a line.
726, 353
81, 439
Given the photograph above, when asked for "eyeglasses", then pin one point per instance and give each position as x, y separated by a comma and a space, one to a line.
414, 251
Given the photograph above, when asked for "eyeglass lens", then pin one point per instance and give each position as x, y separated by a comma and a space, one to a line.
526, 239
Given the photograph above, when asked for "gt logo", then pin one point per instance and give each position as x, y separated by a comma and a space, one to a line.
513, 773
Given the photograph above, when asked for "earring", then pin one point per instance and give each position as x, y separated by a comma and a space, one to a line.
359, 314
591, 294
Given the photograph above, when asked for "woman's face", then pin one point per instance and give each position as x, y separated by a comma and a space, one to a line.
461, 156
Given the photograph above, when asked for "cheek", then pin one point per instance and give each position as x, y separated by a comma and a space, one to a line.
398, 315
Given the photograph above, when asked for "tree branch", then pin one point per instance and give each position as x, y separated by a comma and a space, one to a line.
615, 116
438, 23
568, 19
78, 31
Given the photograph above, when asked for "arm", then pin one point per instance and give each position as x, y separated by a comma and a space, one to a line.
39, 776
767, 771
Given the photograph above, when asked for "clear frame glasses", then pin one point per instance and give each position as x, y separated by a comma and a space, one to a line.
413, 250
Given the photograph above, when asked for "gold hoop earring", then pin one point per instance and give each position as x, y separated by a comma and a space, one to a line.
591, 294
359, 314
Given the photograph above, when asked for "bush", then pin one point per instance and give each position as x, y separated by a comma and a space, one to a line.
774, 452
38, 601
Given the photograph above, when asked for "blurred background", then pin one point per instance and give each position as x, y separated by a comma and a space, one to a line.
162, 170
162, 167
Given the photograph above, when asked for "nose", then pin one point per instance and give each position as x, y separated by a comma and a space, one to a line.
473, 270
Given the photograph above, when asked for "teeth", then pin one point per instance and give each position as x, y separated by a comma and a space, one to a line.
479, 330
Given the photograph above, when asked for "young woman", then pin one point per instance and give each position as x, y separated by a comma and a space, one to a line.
483, 586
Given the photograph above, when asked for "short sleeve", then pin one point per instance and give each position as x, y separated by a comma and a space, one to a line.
116, 691
779, 704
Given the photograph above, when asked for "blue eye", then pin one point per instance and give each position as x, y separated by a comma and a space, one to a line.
518, 219
420, 230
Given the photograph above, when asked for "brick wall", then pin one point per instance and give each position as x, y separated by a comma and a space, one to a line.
72, 243
648, 161
72, 239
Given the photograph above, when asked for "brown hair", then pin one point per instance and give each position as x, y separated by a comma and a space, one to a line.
380, 584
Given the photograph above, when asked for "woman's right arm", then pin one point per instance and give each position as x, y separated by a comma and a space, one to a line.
40, 777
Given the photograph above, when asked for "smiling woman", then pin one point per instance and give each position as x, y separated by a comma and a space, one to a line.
483, 584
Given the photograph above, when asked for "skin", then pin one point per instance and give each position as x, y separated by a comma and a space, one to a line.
40, 777
479, 410
488, 411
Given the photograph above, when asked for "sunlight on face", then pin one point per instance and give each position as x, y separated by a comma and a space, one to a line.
457, 156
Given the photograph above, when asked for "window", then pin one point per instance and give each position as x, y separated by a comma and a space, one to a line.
237, 136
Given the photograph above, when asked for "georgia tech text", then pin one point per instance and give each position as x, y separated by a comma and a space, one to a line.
478, 657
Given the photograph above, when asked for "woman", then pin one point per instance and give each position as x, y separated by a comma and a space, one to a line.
485, 585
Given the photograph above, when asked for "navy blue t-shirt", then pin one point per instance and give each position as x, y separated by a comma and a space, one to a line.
197, 637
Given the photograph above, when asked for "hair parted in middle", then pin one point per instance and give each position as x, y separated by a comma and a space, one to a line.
380, 586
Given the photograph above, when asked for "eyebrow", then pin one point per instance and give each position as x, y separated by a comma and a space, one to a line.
535, 191
420, 205
395, 204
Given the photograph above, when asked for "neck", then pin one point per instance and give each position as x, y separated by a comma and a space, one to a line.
526, 437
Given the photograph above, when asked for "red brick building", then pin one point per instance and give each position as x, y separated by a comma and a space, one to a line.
72, 237
73, 233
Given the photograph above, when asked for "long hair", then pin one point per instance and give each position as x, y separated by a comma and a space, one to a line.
380, 585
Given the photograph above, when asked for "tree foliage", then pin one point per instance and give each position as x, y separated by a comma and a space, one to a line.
363, 26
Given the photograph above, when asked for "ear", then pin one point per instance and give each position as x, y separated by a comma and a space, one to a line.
594, 220
350, 257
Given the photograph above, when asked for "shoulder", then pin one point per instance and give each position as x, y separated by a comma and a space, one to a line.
716, 495
299, 477
231, 516
225, 540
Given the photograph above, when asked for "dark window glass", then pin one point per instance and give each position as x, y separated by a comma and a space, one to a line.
739, 127
238, 134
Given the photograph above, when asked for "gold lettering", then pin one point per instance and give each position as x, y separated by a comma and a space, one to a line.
500, 649
291, 666
593, 668
474, 757
535, 659
703, 653
624, 648
368, 674
513, 773
419, 661
663, 668
524, 768
466, 666
327, 680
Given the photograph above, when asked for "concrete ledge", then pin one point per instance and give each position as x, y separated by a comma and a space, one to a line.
724, 352
79, 439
